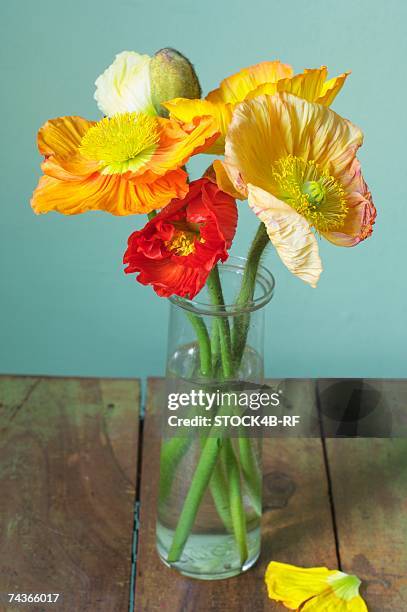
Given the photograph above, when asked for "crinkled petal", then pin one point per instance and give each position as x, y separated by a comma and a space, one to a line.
236, 87
99, 192
307, 85
290, 234
74, 168
228, 183
266, 89
62, 136
361, 215
111, 193
293, 585
59, 141
187, 110
158, 194
166, 274
255, 140
178, 142
310, 85
314, 589
329, 602
224, 210
272, 127
331, 89
125, 85
359, 221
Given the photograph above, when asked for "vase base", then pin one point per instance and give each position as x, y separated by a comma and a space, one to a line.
222, 576
209, 557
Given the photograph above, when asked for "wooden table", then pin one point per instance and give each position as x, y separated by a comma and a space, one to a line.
78, 481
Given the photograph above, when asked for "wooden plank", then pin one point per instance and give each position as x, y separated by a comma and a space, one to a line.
369, 485
297, 526
68, 454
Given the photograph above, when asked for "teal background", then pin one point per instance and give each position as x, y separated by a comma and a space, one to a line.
66, 306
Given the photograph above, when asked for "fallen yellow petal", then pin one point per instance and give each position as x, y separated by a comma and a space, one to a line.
315, 589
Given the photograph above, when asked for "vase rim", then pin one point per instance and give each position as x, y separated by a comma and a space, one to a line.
235, 264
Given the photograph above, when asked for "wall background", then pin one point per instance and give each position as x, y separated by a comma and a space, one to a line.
66, 306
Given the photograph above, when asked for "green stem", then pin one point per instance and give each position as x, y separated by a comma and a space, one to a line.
215, 348
232, 470
219, 490
240, 332
204, 343
172, 451
215, 290
199, 483
151, 214
236, 501
246, 294
251, 472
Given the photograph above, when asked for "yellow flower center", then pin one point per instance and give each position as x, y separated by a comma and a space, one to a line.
182, 243
184, 239
311, 191
121, 143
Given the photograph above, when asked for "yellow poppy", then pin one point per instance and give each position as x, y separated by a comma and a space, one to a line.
314, 589
129, 163
263, 78
296, 163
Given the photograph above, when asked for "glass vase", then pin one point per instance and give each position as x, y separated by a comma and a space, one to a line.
209, 503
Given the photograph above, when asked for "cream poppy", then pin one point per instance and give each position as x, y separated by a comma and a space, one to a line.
296, 163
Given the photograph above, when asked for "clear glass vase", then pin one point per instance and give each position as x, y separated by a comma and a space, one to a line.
209, 505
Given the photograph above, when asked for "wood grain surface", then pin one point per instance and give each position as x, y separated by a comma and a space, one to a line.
369, 484
68, 465
297, 525
69, 477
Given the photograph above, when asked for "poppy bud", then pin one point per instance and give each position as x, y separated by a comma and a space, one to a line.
172, 76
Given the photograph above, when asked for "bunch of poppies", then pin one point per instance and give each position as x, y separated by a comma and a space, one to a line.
278, 145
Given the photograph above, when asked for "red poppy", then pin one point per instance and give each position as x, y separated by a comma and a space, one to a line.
178, 248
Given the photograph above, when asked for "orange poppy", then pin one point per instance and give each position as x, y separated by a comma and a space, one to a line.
126, 164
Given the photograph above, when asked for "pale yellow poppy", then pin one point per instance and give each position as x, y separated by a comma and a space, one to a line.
296, 163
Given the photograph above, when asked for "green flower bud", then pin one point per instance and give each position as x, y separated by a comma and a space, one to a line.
172, 76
